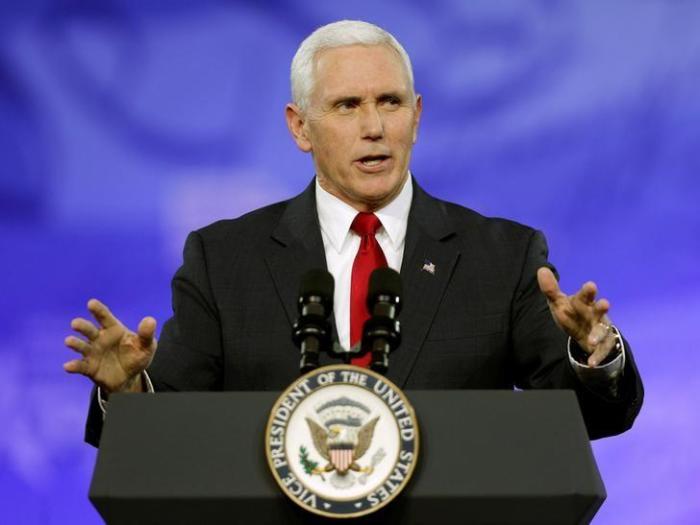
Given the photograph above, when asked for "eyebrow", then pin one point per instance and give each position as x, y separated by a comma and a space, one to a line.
345, 99
357, 100
391, 94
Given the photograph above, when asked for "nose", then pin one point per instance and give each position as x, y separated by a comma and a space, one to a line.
372, 123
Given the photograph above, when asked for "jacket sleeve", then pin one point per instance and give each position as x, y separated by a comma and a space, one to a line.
541, 361
189, 348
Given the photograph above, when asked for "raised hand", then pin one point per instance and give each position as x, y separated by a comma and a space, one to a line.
112, 355
581, 316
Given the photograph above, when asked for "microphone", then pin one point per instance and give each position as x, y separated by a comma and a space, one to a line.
382, 331
311, 332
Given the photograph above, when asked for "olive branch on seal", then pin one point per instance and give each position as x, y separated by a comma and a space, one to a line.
308, 464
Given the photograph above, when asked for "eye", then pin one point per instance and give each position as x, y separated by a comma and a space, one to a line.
390, 102
346, 106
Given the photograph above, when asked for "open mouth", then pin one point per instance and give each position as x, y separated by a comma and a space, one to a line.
371, 161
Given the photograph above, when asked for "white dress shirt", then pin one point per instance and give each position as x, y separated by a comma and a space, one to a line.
341, 244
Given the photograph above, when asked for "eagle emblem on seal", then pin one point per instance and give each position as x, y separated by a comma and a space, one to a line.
342, 438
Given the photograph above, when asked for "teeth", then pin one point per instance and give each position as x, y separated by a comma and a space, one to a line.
373, 162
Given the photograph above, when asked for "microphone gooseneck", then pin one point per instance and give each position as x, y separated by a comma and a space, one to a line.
382, 331
311, 332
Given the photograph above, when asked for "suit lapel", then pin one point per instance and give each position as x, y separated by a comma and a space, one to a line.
297, 247
428, 262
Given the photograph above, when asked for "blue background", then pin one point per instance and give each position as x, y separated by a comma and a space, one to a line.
125, 124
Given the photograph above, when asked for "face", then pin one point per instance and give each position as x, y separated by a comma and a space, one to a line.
361, 124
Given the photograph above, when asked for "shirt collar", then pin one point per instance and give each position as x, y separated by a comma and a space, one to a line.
336, 216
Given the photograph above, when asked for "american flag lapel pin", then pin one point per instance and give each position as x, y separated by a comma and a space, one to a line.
428, 267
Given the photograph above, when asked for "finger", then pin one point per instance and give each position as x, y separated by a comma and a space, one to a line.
76, 344
600, 308
76, 366
598, 333
146, 331
586, 294
85, 327
102, 314
599, 323
584, 299
583, 312
602, 350
549, 285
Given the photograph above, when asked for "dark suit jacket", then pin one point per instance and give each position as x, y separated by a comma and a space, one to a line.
478, 322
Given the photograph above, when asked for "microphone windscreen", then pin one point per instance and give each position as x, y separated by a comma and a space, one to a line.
317, 282
384, 281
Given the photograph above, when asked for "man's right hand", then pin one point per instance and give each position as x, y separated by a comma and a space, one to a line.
113, 355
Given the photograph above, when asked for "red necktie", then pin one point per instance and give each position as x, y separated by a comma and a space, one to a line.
369, 257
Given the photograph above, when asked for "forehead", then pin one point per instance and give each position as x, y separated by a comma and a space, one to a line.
358, 70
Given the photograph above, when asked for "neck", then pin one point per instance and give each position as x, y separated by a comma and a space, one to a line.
362, 205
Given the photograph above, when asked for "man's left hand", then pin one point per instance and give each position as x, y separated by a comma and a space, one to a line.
581, 316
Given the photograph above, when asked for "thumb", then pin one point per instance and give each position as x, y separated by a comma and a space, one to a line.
147, 331
548, 284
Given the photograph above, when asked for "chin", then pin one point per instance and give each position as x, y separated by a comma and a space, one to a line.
375, 200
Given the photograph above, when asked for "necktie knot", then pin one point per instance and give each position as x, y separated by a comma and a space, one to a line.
365, 224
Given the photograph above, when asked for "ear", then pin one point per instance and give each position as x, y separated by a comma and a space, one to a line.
416, 118
297, 127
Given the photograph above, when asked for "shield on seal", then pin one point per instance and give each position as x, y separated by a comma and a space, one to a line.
342, 457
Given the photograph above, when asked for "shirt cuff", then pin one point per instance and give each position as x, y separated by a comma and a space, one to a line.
604, 377
102, 402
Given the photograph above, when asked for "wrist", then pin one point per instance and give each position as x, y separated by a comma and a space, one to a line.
134, 384
580, 353
143, 385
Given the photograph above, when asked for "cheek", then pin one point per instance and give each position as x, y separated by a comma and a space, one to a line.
402, 130
404, 144
332, 145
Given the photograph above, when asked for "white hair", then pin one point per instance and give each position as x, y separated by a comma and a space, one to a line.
337, 34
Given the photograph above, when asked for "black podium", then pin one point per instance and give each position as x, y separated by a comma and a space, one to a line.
494, 457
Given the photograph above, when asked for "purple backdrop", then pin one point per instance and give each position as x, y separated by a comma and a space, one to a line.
123, 125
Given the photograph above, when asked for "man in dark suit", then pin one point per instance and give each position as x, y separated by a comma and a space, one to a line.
482, 308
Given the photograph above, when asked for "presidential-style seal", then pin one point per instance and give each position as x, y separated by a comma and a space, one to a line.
342, 441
